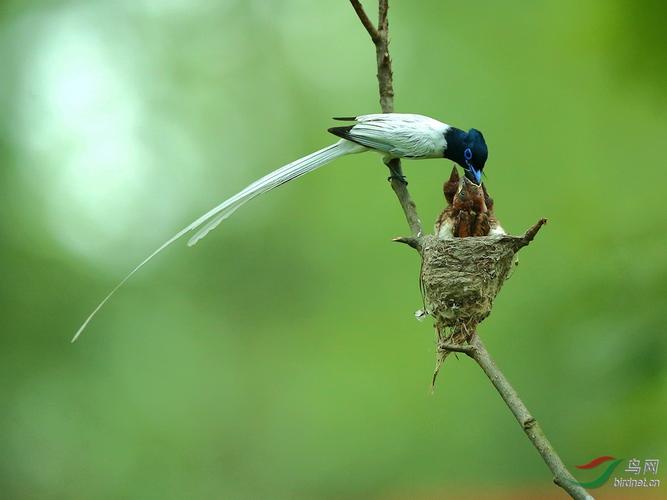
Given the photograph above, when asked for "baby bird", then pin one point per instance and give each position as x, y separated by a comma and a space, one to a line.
470, 210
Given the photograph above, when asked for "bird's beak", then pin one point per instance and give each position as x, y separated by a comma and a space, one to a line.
477, 174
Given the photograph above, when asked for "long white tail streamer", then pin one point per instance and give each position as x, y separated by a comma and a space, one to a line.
215, 216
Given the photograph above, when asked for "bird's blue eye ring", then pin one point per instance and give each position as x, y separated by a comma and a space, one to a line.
467, 154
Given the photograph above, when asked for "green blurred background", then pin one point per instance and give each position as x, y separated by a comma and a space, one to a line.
281, 358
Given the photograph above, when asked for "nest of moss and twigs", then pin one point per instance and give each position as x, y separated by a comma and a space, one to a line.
460, 278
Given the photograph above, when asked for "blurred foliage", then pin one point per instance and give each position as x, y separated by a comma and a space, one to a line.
280, 358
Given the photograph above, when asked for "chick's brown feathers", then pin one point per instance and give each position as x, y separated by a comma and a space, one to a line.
469, 211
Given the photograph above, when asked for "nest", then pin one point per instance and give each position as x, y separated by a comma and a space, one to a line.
461, 277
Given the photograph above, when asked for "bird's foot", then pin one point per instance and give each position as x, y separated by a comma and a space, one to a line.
395, 169
398, 177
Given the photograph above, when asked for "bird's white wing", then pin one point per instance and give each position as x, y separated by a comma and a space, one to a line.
401, 135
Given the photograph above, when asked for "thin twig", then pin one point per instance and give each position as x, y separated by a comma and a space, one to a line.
465, 349
532, 232
380, 37
368, 24
562, 476
414, 242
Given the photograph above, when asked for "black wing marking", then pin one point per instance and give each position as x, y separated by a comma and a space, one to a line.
345, 118
367, 142
343, 132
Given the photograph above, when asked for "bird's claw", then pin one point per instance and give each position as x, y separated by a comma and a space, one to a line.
400, 178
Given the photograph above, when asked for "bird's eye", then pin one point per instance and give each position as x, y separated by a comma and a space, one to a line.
462, 194
467, 154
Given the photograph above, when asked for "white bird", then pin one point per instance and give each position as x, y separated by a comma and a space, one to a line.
394, 135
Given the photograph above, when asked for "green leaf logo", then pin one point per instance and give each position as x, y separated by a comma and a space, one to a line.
602, 478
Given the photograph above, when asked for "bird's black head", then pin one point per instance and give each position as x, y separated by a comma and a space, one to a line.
469, 150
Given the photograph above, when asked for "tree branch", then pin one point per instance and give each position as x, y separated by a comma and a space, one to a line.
380, 37
385, 74
475, 349
562, 476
